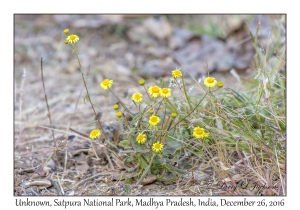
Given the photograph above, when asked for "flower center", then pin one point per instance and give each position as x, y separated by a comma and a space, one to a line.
155, 90
165, 91
153, 119
140, 138
210, 80
157, 146
137, 96
105, 82
199, 131
72, 37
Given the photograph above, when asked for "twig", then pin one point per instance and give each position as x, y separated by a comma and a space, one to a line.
91, 177
20, 106
49, 115
283, 191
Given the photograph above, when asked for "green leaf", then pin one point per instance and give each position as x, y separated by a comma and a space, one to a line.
86, 98
97, 107
142, 161
125, 144
93, 122
282, 125
111, 144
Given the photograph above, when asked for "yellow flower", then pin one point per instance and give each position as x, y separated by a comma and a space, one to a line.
95, 134
154, 120
66, 31
176, 73
220, 84
137, 97
157, 147
165, 92
173, 114
116, 106
119, 114
200, 133
106, 84
141, 82
210, 82
154, 91
73, 38
141, 138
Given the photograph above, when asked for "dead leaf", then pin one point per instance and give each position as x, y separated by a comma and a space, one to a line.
148, 179
44, 183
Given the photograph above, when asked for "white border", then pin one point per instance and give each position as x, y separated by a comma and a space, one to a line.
154, 6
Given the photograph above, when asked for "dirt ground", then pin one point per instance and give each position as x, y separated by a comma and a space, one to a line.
124, 48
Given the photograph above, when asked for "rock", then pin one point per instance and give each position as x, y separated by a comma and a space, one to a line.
158, 26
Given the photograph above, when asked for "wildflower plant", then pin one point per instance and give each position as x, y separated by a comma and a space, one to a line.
169, 125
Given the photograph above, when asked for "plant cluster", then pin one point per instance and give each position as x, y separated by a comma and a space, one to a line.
170, 131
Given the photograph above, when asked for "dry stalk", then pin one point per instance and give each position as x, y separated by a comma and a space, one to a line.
20, 106
49, 115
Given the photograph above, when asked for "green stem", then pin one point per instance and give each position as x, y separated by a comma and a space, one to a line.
185, 93
122, 104
169, 102
191, 111
90, 100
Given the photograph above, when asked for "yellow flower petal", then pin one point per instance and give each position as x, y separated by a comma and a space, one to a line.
154, 120
154, 91
157, 147
95, 134
119, 114
141, 138
210, 82
165, 92
73, 38
176, 73
200, 133
137, 97
106, 84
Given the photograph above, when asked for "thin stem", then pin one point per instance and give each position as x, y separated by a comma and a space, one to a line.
169, 102
146, 91
49, 115
190, 112
162, 129
122, 104
185, 93
87, 91
146, 170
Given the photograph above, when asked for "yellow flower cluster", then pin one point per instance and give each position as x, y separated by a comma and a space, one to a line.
156, 91
71, 39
